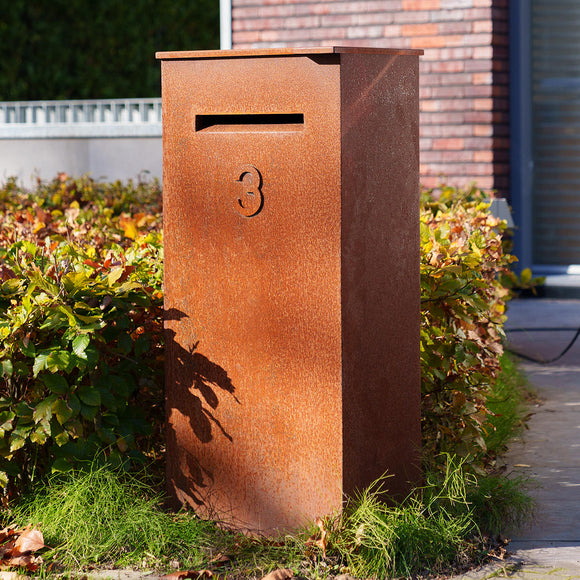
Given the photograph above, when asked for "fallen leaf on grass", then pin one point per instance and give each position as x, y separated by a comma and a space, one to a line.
320, 542
280, 574
18, 546
30, 540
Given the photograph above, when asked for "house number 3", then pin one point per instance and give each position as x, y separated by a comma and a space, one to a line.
251, 198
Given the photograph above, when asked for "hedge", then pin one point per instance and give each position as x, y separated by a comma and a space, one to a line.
81, 344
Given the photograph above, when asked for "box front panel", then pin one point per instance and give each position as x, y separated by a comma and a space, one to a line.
252, 285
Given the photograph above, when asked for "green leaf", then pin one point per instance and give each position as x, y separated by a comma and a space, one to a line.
6, 419
62, 438
526, 276
89, 396
38, 436
7, 368
80, 344
53, 321
60, 465
58, 360
16, 443
39, 363
11, 286
89, 412
55, 383
62, 411
23, 412
74, 404
114, 275
27, 348
44, 283
43, 410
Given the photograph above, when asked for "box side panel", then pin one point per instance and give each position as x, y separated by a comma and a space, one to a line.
380, 269
252, 286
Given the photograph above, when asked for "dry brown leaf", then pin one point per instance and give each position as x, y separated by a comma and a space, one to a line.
320, 542
30, 540
279, 574
28, 561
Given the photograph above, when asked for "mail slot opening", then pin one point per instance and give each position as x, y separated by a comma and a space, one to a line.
260, 122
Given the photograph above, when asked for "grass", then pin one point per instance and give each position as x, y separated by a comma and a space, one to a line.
429, 531
107, 518
111, 518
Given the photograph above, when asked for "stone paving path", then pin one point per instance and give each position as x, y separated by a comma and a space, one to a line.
549, 547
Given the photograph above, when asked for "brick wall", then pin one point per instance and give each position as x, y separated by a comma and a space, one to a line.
464, 72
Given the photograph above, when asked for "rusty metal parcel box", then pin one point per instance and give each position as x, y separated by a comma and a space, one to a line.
291, 232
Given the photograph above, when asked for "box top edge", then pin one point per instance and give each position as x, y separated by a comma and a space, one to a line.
259, 52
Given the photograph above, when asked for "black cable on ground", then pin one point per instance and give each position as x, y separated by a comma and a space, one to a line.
544, 361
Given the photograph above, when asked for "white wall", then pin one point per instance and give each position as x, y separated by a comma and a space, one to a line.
110, 140
103, 158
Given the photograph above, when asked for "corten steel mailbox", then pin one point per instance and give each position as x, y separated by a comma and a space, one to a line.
291, 219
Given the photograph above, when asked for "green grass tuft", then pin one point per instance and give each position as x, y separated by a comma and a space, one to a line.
428, 531
110, 518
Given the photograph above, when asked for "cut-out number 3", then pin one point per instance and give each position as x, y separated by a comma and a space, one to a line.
251, 199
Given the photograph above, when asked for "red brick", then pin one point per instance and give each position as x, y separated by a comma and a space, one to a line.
455, 28
477, 65
448, 92
447, 15
446, 131
454, 104
279, 10
364, 31
364, 19
447, 156
245, 12
447, 118
436, 41
483, 104
479, 91
485, 52
246, 37
482, 78
448, 144
454, 4
484, 26
419, 29
429, 106
478, 14
393, 31
421, 4
411, 17
485, 156
448, 66
338, 19
479, 143
473, 170
327, 33
484, 39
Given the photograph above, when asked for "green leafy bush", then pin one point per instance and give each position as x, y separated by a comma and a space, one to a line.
80, 329
463, 306
80, 322
73, 49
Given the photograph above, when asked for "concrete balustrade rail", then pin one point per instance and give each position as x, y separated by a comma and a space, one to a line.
109, 139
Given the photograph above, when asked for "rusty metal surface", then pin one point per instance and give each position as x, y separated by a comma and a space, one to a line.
291, 281
255, 53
